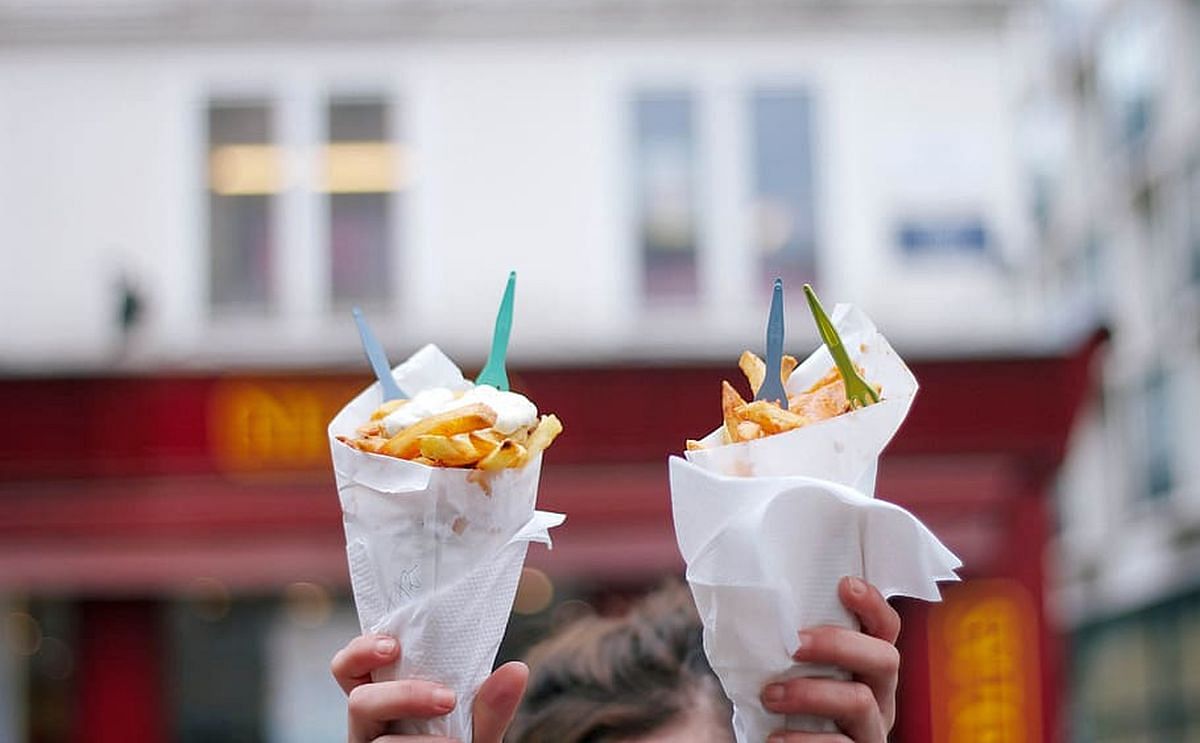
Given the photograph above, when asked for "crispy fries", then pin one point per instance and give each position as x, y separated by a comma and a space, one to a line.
462, 437
746, 421
755, 369
405, 444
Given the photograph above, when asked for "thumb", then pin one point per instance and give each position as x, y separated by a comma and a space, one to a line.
497, 701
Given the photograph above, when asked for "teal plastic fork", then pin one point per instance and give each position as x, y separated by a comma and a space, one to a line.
493, 372
858, 392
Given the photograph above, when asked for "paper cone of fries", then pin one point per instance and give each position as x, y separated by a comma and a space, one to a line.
768, 527
434, 553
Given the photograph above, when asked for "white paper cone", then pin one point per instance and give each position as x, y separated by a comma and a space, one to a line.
768, 528
435, 554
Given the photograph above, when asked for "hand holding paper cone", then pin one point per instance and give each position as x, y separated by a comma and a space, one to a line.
438, 494
769, 518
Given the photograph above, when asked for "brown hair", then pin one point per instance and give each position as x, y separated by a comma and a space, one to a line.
603, 679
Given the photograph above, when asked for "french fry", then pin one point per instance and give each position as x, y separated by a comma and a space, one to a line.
730, 401
786, 366
754, 368
749, 430
508, 454
548, 428
485, 440
405, 444
387, 408
374, 428
770, 417
450, 451
693, 445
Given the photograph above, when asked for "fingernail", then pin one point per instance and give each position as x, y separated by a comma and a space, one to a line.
774, 693
857, 586
385, 645
803, 640
444, 699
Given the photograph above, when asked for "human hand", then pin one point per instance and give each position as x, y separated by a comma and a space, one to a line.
372, 705
864, 707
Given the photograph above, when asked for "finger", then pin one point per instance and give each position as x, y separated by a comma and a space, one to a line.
352, 665
877, 617
791, 736
497, 701
413, 739
866, 657
372, 706
850, 704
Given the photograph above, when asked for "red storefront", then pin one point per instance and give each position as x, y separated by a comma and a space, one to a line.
116, 492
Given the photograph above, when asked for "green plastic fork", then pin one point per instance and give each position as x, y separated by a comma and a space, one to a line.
858, 392
493, 372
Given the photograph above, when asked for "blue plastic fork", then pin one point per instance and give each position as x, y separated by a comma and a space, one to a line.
772, 384
377, 358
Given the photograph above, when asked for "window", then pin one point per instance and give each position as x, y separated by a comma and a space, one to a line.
665, 172
1159, 479
244, 175
948, 234
784, 220
1192, 209
1130, 72
359, 177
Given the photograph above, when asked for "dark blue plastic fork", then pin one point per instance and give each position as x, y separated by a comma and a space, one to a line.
772, 384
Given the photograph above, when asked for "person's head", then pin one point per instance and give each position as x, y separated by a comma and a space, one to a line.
641, 677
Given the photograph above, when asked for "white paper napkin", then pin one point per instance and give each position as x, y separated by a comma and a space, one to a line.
768, 528
434, 556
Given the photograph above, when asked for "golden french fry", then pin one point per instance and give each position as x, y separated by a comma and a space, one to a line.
749, 430
754, 368
730, 401
770, 417
821, 403
548, 428
787, 366
485, 440
693, 445
508, 454
387, 408
374, 428
405, 444
450, 451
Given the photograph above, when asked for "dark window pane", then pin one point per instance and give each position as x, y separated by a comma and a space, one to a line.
1159, 477
360, 167
240, 235
358, 239
665, 189
784, 219
243, 178
357, 121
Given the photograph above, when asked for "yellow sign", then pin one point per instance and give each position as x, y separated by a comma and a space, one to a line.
984, 671
258, 425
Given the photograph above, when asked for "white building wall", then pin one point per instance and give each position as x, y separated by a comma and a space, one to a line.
520, 158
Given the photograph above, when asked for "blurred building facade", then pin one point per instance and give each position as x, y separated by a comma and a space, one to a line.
194, 194
1118, 108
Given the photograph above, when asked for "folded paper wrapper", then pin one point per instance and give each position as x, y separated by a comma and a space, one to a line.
768, 527
434, 555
